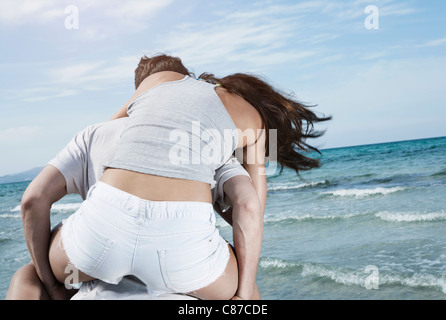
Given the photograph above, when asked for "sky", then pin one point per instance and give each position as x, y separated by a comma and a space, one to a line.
377, 66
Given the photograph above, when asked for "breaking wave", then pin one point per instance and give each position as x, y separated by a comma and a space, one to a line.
411, 216
363, 192
294, 186
351, 277
57, 207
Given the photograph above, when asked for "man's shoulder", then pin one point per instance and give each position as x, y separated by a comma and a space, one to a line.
102, 129
112, 125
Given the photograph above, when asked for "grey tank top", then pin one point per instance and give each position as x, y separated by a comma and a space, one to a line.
177, 129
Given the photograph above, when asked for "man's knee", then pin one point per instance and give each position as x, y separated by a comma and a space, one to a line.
25, 273
25, 284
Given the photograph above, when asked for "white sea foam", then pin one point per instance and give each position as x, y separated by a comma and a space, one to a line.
338, 275
66, 206
293, 186
350, 277
57, 207
10, 216
363, 192
266, 263
356, 277
411, 216
291, 215
359, 277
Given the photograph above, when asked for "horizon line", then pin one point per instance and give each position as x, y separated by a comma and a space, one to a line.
321, 149
385, 142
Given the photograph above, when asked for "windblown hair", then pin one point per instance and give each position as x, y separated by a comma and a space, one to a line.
158, 63
293, 120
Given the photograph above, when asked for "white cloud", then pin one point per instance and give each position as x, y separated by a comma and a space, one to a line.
397, 9
94, 75
20, 12
18, 134
118, 16
433, 43
76, 73
62, 79
131, 9
375, 55
266, 33
258, 37
46, 95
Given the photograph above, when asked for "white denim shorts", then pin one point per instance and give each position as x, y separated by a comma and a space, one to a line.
171, 246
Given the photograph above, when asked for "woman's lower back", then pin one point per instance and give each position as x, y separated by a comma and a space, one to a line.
157, 188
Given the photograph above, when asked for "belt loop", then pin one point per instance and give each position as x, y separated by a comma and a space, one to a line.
141, 210
212, 219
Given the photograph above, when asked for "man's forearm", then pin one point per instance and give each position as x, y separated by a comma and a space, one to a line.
247, 218
47, 188
258, 177
247, 235
36, 225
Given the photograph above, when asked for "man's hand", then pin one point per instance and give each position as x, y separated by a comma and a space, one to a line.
57, 291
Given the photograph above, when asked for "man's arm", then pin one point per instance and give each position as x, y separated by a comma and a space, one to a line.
254, 163
247, 219
47, 188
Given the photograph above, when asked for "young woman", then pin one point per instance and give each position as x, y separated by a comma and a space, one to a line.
151, 213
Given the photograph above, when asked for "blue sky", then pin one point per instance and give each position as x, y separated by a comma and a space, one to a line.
379, 85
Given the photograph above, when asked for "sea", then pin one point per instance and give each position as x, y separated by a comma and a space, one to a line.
369, 224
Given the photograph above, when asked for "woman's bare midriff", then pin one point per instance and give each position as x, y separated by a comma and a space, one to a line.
157, 188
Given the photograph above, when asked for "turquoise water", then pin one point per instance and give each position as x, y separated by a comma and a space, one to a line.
369, 224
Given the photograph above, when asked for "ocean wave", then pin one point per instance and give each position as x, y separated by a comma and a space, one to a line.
15, 209
267, 263
439, 173
411, 216
349, 277
10, 216
57, 207
66, 206
359, 193
289, 217
384, 216
293, 186
360, 277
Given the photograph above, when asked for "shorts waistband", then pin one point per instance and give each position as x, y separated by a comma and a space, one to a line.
132, 204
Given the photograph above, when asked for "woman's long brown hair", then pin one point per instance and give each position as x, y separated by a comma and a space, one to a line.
293, 120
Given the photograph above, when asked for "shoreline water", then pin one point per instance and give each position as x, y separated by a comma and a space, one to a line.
380, 206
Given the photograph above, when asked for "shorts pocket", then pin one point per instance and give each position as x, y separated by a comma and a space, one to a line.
189, 268
95, 256
104, 254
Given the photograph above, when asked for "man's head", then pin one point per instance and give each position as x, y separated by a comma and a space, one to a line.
162, 62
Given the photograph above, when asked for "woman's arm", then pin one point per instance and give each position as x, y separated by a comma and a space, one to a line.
47, 188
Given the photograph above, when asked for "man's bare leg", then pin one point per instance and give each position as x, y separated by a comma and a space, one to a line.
26, 285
